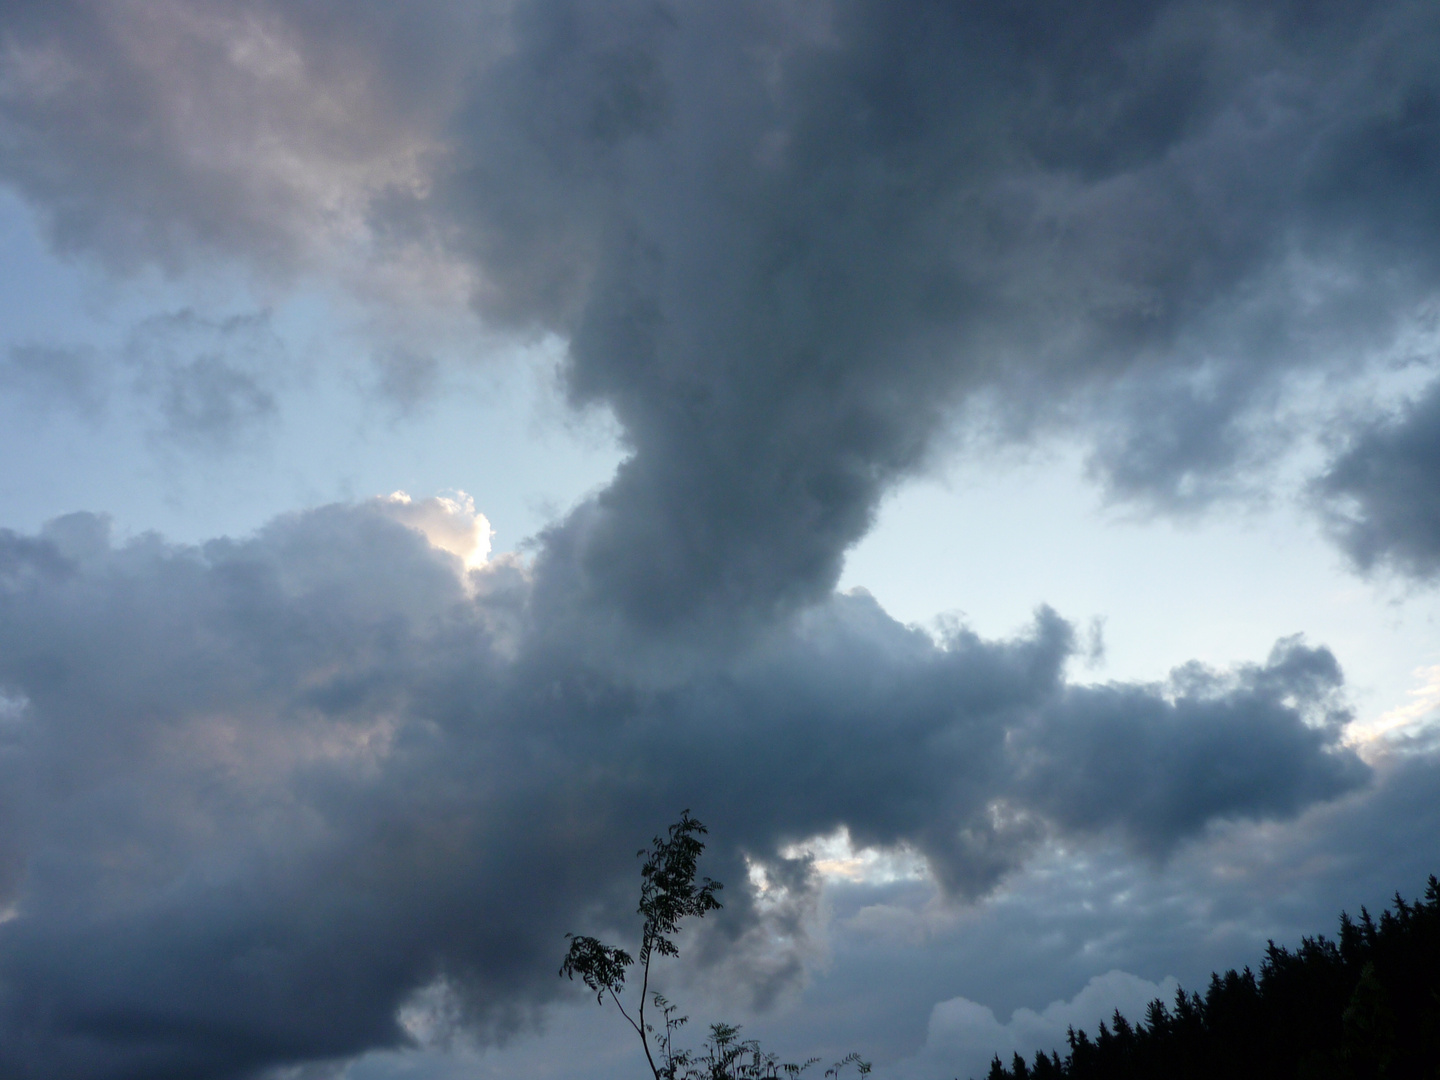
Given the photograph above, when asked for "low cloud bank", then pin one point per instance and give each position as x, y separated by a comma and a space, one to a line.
964, 1035
259, 792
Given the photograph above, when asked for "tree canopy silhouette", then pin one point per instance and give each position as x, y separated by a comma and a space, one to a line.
1363, 1007
669, 893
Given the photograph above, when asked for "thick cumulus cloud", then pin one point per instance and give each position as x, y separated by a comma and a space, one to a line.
809, 239
159, 132
1382, 492
787, 241
259, 793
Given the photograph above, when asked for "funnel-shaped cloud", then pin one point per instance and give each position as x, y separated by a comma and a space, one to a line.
787, 242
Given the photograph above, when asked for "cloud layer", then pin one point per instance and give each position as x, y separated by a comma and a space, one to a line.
964, 1036
261, 792
1382, 490
787, 242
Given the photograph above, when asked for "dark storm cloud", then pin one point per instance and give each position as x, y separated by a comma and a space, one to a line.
1384, 491
1161, 766
266, 789
1068, 916
260, 792
819, 236
786, 241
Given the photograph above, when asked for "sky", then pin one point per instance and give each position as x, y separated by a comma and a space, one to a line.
981, 458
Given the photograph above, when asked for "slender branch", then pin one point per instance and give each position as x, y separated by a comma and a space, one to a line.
644, 990
668, 895
627, 1015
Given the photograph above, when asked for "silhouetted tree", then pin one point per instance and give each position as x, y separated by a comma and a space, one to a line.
1363, 1007
668, 894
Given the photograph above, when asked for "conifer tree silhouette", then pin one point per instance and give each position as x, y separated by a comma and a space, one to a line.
1365, 1006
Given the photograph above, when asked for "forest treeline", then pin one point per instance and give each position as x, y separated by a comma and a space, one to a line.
1361, 1007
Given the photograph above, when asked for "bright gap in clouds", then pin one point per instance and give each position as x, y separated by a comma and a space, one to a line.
836, 858
449, 522
987, 542
114, 413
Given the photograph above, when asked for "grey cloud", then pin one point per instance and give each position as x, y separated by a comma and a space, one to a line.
787, 242
175, 131
1178, 440
964, 1035
1163, 765
209, 401
267, 789
785, 286
200, 382
1080, 909
262, 791
1383, 491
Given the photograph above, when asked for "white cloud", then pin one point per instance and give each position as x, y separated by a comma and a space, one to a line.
450, 524
1371, 737
837, 857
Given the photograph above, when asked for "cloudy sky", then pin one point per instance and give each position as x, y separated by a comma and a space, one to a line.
983, 458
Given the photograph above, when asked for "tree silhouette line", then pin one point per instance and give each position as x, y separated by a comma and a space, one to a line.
669, 893
1364, 1006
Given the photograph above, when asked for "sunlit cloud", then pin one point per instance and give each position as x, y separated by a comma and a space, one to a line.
1403, 722
449, 522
